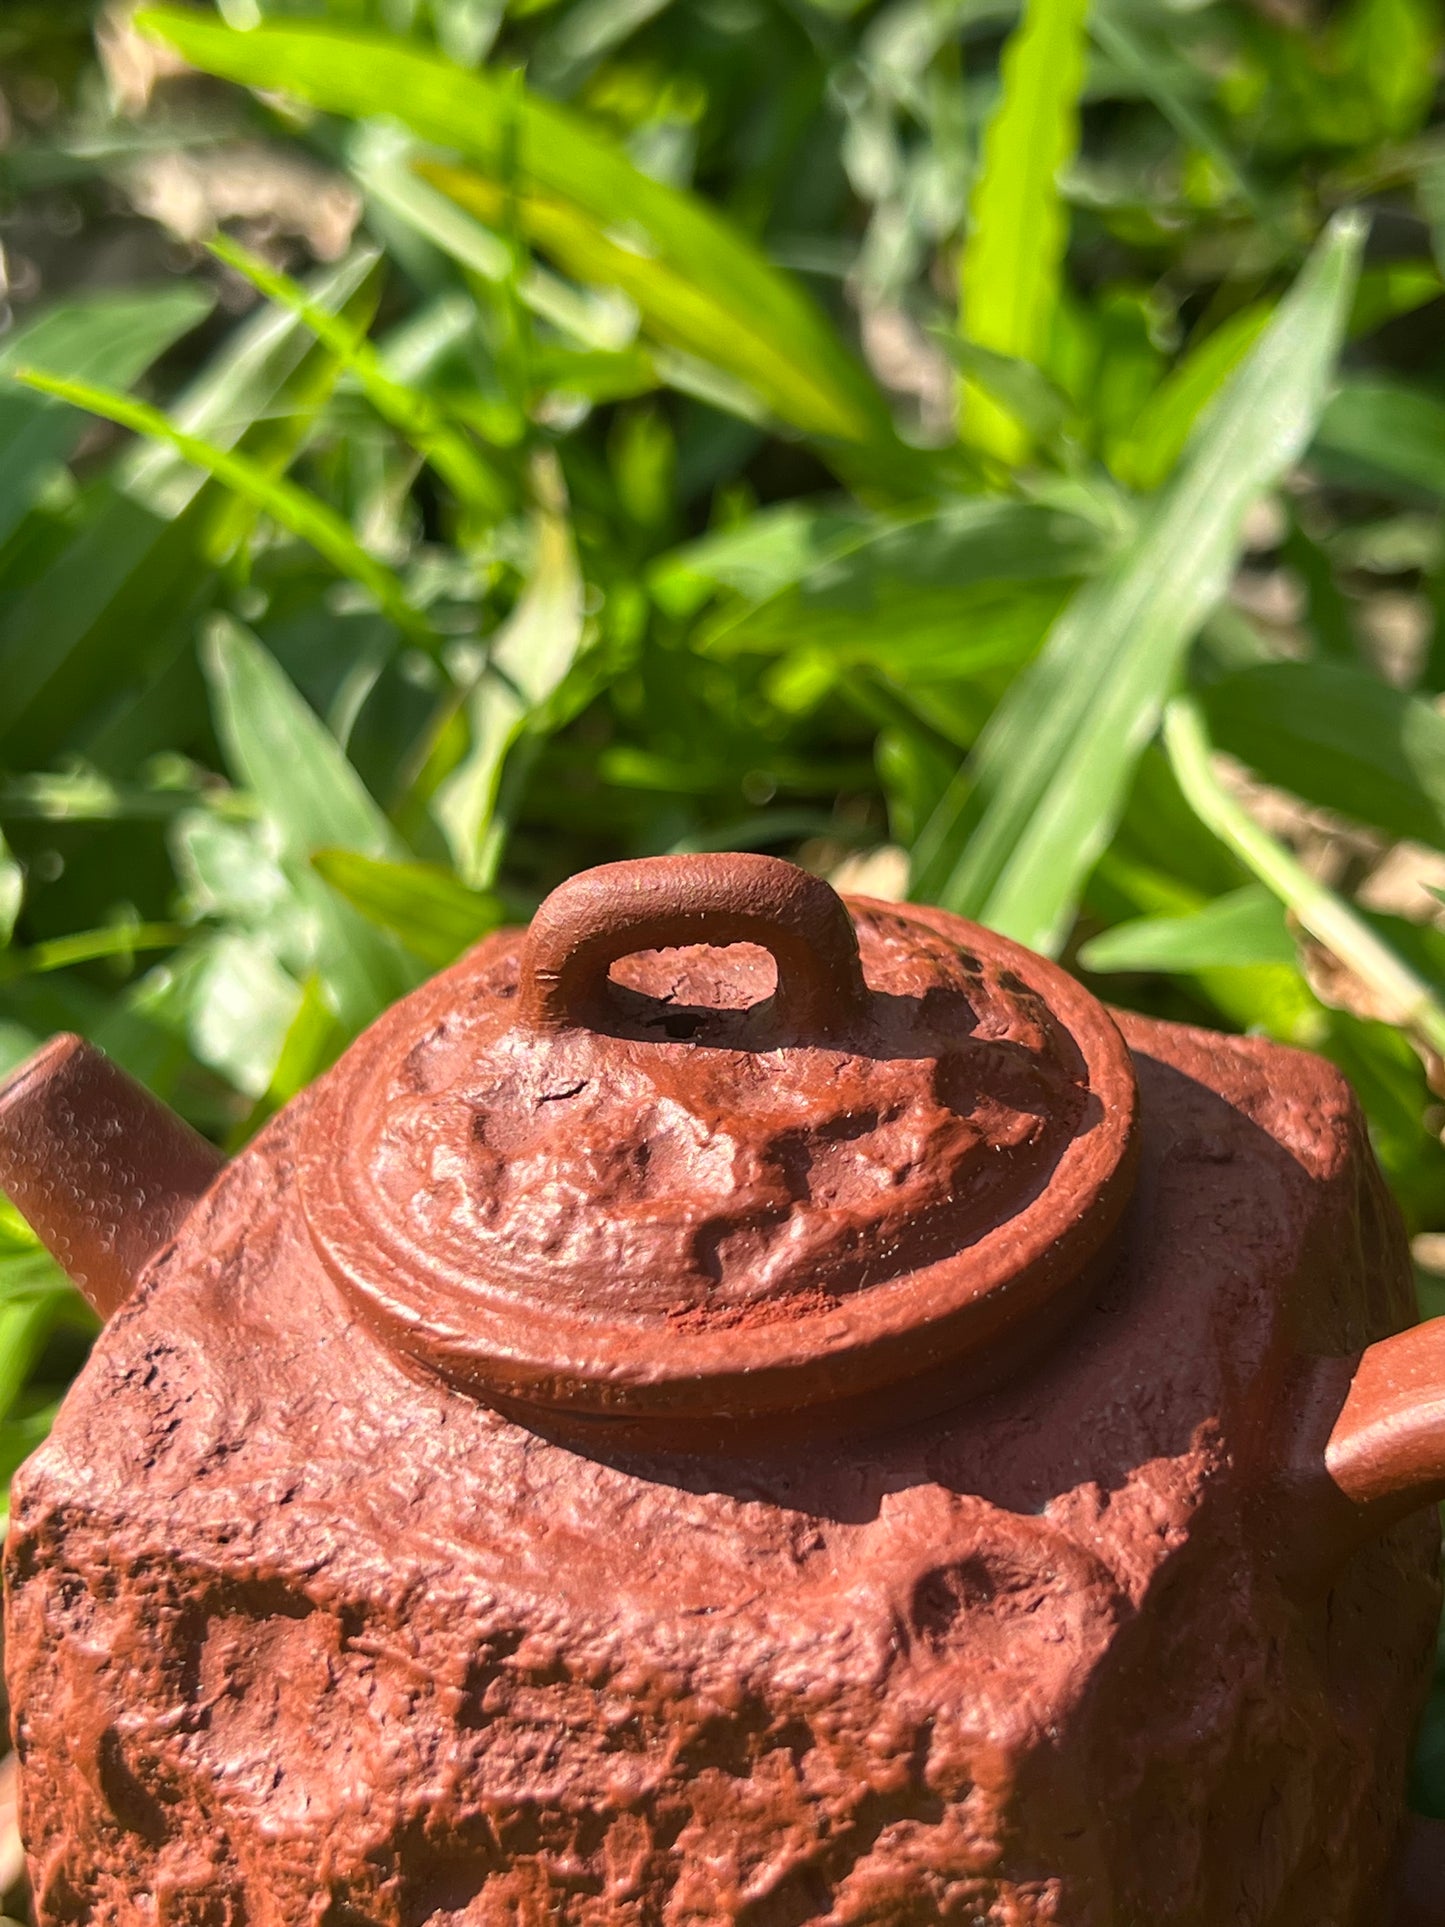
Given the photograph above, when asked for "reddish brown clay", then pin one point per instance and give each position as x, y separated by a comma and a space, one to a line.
707, 1211
103, 1170
1387, 1449
856, 1435
1421, 1876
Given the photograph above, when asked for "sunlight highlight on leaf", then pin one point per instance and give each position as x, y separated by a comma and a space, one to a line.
283, 753
720, 296
525, 662
299, 512
1038, 801
480, 488
1401, 992
1018, 228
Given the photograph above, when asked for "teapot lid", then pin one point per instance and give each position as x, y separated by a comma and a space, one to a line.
707, 1143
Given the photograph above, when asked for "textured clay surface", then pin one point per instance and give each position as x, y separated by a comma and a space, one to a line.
706, 1199
299, 1640
691, 1168
103, 1171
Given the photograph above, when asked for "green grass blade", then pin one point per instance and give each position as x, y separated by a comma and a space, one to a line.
115, 335
725, 300
698, 350
84, 795
477, 484
434, 915
526, 662
295, 509
1412, 1004
1338, 737
769, 552
12, 891
25, 1324
118, 603
1018, 388
1391, 289
382, 163
893, 575
1152, 450
265, 375
1172, 83
1018, 832
381, 158
1243, 929
87, 946
1385, 435
283, 753
1013, 257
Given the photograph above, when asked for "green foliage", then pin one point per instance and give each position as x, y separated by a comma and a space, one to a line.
1018, 226
115, 335
43, 1328
1340, 737
807, 427
1408, 998
1013, 840
698, 283
1242, 928
291, 508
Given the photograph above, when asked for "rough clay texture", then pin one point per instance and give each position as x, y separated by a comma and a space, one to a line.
693, 1205
297, 1639
721, 1176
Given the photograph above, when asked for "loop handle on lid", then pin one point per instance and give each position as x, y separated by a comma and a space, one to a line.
664, 902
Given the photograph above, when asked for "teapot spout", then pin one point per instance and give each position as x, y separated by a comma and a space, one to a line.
102, 1170
1366, 1447
1386, 1451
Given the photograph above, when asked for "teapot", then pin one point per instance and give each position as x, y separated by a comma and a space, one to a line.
732, 1405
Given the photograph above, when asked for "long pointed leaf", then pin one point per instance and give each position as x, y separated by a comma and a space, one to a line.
1019, 831
1245, 928
476, 484
283, 753
896, 572
434, 915
1341, 738
116, 605
86, 946
1384, 435
1018, 231
295, 508
115, 335
1166, 421
747, 315
528, 659
1411, 1002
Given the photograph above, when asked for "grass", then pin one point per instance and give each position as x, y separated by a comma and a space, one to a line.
940, 429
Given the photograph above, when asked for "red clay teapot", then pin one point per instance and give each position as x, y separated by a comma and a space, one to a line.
732, 1406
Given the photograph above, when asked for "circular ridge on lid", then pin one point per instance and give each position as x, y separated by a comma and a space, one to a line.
612, 1167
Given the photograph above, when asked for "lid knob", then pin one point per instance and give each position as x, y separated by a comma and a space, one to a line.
660, 903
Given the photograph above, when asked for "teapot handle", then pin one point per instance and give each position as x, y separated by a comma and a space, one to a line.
1386, 1451
660, 903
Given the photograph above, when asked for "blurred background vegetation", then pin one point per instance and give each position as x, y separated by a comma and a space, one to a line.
995, 455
